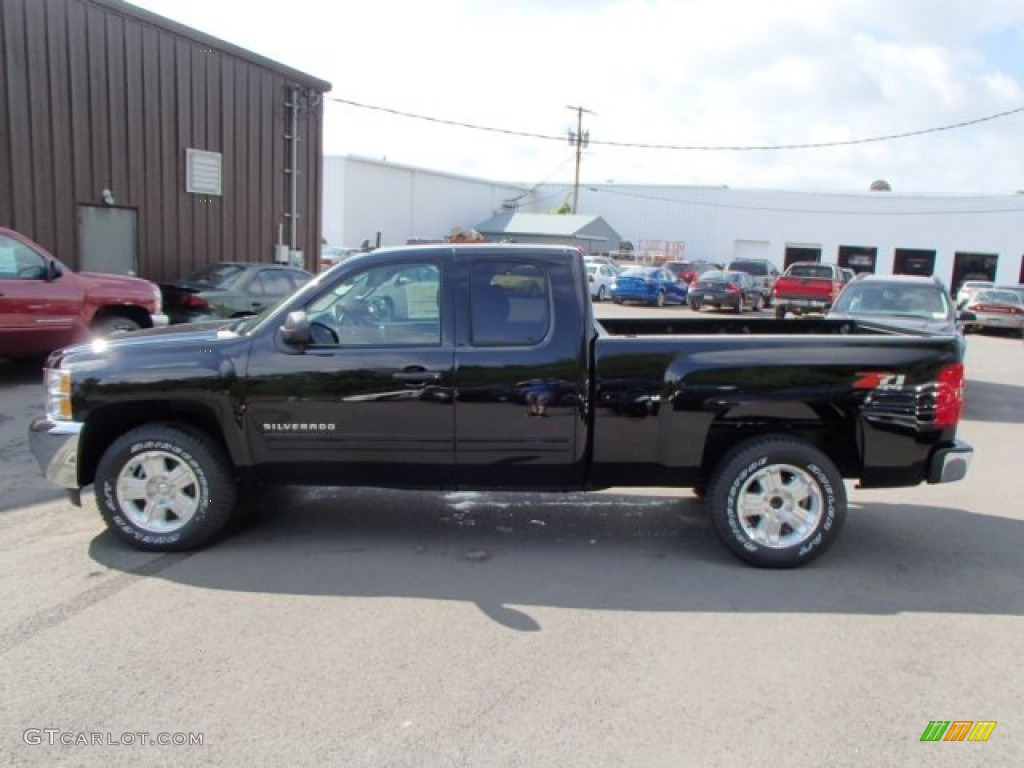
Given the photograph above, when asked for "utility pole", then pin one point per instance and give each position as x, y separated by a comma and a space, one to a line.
580, 139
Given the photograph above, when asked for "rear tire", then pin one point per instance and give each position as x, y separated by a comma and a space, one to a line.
162, 488
777, 502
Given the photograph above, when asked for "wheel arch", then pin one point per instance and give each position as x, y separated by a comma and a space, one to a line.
132, 311
107, 424
834, 435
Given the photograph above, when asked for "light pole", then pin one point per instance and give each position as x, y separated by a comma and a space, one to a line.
581, 139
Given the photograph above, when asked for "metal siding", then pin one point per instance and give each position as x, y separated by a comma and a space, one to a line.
117, 138
199, 239
17, 82
95, 94
226, 140
6, 146
214, 207
168, 254
99, 110
81, 181
41, 149
59, 95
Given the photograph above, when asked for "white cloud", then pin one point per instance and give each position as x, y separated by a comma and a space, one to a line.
684, 72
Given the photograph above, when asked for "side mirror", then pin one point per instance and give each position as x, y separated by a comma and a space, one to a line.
53, 271
966, 317
296, 329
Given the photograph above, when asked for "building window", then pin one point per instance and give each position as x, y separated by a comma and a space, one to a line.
859, 258
973, 266
912, 261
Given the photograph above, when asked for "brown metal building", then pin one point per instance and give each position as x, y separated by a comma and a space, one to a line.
129, 142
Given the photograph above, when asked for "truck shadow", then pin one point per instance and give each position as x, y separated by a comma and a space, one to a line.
609, 551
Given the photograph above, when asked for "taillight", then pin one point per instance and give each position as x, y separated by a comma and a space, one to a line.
949, 396
194, 302
732, 288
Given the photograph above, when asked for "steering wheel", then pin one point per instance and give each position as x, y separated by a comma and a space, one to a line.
322, 334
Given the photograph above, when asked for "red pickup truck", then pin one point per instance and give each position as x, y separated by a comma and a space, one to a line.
45, 305
806, 287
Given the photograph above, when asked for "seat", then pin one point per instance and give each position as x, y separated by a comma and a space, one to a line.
490, 310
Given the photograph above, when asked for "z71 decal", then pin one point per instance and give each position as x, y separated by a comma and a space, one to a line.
879, 380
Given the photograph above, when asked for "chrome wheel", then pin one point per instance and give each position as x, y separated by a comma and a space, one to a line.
158, 492
780, 506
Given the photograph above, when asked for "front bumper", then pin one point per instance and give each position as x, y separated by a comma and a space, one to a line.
55, 446
947, 465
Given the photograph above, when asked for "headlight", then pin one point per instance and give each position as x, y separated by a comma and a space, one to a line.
58, 394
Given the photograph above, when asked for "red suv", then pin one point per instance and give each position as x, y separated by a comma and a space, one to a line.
44, 305
689, 270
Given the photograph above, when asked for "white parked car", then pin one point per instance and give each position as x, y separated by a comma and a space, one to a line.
968, 288
600, 278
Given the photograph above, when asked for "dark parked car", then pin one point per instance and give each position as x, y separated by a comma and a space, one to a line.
648, 285
913, 303
722, 289
764, 272
230, 289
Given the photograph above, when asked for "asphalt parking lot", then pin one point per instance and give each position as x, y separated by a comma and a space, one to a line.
364, 627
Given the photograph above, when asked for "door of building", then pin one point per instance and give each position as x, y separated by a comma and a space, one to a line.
109, 239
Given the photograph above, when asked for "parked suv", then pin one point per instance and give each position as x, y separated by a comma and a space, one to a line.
764, 272
914, 303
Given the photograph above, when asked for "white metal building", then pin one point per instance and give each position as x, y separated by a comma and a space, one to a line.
955, 238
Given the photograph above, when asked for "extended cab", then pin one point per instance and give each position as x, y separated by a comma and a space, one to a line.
419, 367
45, 305
807, 286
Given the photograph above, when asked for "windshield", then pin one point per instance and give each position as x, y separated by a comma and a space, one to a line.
923, 301
1006, 297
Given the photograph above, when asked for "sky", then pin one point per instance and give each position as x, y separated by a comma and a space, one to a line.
683, 81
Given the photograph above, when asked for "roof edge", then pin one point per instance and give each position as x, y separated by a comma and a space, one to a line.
148, 17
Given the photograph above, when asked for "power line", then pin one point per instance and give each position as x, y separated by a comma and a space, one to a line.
683, 147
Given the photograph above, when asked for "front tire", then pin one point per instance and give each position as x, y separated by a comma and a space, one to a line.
163, 488
777, 502
110, 324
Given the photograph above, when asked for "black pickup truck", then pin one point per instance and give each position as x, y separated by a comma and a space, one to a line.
482, 367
